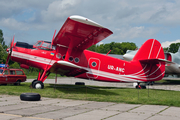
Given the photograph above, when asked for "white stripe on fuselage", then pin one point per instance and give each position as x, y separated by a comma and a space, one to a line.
33, 58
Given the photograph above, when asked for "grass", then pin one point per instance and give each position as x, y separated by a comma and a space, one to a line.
101, 94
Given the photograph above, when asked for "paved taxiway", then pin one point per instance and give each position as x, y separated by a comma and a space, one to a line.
12, 108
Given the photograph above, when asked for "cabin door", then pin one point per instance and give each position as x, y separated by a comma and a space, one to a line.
94, 66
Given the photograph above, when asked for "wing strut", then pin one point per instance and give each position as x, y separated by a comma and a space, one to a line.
69, 51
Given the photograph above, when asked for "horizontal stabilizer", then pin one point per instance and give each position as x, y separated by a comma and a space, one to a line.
156, 61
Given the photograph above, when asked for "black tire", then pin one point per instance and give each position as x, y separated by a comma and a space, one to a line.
34, 81
18, 82
79, 83
141, 87
41, 85
30, 96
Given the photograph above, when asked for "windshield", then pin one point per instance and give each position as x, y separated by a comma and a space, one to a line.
45, 45
1, 71
38, 43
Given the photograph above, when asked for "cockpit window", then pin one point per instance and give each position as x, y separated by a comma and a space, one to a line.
38, 44
45, 45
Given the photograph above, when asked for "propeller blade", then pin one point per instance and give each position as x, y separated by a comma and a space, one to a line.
10, 50
7, 60
12, 43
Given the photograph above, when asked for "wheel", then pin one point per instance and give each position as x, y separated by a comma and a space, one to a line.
30, 97
38, 85
141, 87
79, 83
18, 82
34, 81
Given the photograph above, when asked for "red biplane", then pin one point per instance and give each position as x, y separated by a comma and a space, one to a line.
67, 55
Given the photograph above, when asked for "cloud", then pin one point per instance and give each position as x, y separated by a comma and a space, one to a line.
100, 43
59, 10
168, 43
130, 32
12, 24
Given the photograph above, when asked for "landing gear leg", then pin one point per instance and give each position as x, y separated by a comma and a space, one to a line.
38, 84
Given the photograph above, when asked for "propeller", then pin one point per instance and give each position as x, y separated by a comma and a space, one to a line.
9, 50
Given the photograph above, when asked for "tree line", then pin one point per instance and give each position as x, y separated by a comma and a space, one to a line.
173, 48
115, 47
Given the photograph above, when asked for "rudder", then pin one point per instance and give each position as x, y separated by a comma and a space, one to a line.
151, 55
151, 49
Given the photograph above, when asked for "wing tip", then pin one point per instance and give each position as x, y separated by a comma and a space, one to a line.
85, 20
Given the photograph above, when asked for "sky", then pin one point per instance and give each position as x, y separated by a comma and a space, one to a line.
130, 20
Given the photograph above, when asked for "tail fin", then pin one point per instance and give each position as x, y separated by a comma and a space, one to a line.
151, 49
151, 57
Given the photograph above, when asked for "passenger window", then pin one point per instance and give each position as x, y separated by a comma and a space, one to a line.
19, 73
6, 72
12, 72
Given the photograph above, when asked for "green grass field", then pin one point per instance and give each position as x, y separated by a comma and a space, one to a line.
102, 94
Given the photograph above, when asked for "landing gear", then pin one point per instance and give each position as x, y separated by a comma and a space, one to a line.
138, 86
37, 84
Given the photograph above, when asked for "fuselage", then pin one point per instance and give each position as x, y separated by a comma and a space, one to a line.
99, 67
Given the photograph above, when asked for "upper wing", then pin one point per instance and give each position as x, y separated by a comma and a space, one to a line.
80, 33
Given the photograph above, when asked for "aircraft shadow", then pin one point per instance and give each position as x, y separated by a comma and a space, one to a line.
168, 82
82, 89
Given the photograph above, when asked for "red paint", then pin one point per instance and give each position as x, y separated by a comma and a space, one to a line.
24, 66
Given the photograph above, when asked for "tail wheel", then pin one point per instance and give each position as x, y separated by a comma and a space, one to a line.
38, 85
140, 87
